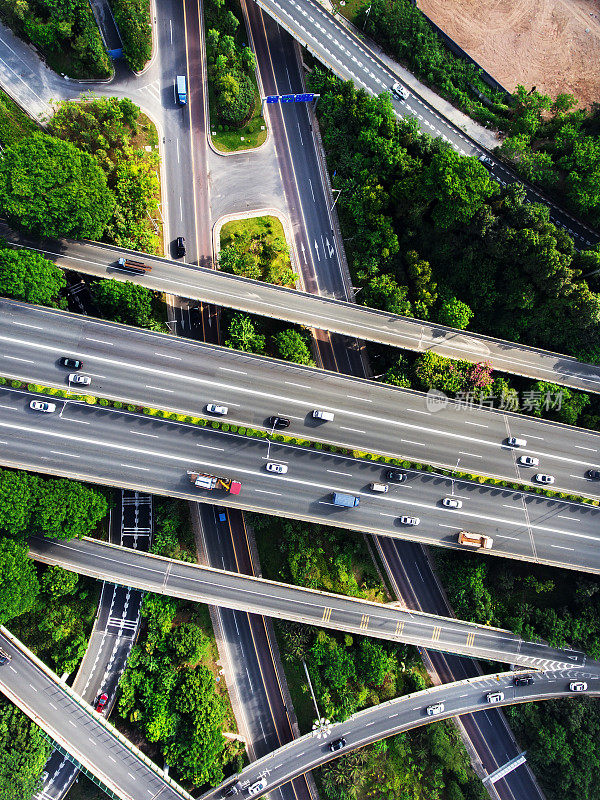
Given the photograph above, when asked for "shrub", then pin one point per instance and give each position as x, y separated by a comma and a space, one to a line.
133, 19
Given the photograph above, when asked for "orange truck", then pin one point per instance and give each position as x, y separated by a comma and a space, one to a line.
204, 481
475, 540
133, 266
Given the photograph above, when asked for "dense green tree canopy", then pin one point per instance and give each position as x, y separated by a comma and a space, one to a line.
52, 188
23, 753
244, 336
292, 346
19, 585
126, 302
28, 276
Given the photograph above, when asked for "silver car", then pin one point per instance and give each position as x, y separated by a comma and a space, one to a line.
40, 405
529, 461
280, 469
452, 502
410, 520
76, 377
213, 408
435, 709
542, 478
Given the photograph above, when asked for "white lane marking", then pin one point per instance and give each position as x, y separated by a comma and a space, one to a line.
100, 341
236, 371
416, 411
354, 430
33, 687
12, 408
478, 424
300, 385
581, 447
211, 447
78, 421
52, 705
72, 723
24, 360
133, 466
27, 325
160, 389
560, 547
408, 441
571, 519
166, 355
473, 455
60, 453
150, 435
346, 474
264, 491
364, 399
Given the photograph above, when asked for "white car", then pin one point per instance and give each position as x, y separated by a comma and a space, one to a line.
213, 408
578, 686
280, 469
400, 91
84, 380
40, 405
451, 502
410, 520
529, 461
257, 787
495, 697
485, 159
542, 478
379, 487
435, 709
514, 441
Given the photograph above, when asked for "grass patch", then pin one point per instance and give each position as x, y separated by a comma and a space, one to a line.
256, 248
15, 125
254, 132
348, 8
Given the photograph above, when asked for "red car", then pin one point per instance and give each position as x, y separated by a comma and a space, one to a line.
101, 702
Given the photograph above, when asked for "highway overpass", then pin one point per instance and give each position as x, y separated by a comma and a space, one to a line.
161, 371
199, 584
133, 451
90, 739
315, 311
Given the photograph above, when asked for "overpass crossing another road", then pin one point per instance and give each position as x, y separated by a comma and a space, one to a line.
255, 595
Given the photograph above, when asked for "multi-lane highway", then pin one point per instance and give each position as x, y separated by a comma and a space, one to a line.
83, 733
128, 450
159, 371
321, 312
233, 590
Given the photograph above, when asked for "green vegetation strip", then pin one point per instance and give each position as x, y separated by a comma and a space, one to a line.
243, 430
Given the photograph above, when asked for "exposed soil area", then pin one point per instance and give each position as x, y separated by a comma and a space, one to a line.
553, 45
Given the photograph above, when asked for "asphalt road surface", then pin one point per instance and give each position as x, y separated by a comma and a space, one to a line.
322, 312
160, 371
73, 724
232, 590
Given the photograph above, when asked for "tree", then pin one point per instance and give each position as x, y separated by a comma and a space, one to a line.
18, 582
58, 582
455, 314
23, 753
243, 335
188, 642
28, 276
292, 346
66, 509
126, 302
52, 188
17, 496
382, 292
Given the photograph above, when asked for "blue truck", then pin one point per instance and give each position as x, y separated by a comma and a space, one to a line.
343, 499
181, 90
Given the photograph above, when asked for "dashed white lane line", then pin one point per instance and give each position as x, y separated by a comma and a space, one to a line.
160, 389
334, 472
354, 430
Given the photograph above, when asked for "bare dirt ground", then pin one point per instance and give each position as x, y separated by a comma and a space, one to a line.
551, 44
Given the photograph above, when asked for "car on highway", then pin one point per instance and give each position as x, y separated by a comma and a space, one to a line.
280, 469
4, 657
232, 789
326, 416
522, 680
337, 744
41, 405
279, 422
435, 709
452, 502
257, 787
213, 408
396, 476
528, 461
179, 247
494, 697
593, 474
541, 477
101, 702
76, 377
410, 520
578, 686
379, 487
514, 441
71, 363
485, 159
400, 91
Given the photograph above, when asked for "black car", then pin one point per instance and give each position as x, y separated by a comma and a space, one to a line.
232, 789
395, 475
71, 363
4, 657
522, 680
279, 422
593, 474
179, 247
337, 744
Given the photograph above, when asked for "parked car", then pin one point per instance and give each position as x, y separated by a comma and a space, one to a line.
71, 363
593, 474
578, 686
179, 247
213, 408
280, 469
410, 520
435, 709
41, 405
495, 697
101, 702
399, 91
337, 744
396, 476
542, 478
279, 422
257, 787
522, 680
529, 461
83, 380
4, 657
452, 502
514, 441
